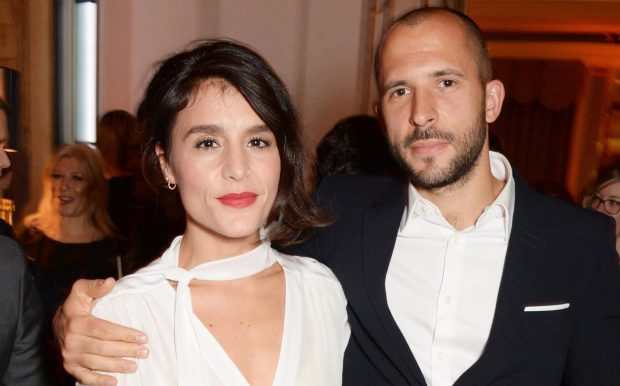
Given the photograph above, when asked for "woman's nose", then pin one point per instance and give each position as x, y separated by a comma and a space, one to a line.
64, 183
236, 165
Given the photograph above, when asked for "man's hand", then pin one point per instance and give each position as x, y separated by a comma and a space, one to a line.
89, 343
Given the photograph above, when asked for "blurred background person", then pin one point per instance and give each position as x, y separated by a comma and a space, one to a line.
21, 322
355, 145
5, 163
71, 235
603, 195
133, 207
118, 142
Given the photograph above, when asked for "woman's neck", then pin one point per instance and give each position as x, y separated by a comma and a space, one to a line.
71, 229
202, 245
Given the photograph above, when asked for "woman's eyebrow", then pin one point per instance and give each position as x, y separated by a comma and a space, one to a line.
203, 129
258, 129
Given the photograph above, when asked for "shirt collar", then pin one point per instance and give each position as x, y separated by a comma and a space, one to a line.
503, 205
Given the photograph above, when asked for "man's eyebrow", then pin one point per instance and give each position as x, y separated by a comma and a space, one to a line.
440, 73
434, 74
390, 85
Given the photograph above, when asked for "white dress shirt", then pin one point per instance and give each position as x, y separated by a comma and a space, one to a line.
182, 350
442, 284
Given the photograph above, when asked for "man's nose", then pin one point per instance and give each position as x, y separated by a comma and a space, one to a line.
423, 111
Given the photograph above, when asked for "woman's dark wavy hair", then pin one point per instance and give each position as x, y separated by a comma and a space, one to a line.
175, 84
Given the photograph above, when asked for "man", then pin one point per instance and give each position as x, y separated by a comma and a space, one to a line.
20, 323
464, 276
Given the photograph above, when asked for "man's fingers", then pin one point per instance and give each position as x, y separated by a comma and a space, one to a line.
83, 292
90, 326
111, 365
91, 378
91, 343
98, 288
79, 302
80, 344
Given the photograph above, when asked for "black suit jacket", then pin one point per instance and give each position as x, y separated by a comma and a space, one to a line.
21, 319
557, 253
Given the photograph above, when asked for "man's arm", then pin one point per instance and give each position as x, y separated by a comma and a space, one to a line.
25, 363
90, 344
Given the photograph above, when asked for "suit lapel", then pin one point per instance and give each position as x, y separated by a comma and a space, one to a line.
380, 227
525, 252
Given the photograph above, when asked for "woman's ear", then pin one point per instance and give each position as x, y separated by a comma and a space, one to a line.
166, 170
494, 98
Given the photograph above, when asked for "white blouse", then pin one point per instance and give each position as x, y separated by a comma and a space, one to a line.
182, 350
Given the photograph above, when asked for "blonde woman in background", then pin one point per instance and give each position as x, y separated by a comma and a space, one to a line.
71, 235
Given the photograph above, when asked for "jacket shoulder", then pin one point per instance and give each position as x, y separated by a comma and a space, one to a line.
355, 191
558, 214
12, 254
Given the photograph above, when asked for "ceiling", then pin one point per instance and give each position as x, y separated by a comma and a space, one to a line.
588, 31
546, 15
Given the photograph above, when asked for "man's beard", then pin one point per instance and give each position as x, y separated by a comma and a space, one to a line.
468, 149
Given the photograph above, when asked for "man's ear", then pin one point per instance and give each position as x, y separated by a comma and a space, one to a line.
494, 98
164, 165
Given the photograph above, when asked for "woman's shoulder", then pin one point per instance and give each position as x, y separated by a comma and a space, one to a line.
143, 283
29, 234
306, 266
315, 287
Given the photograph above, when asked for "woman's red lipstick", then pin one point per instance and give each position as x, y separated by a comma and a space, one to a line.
238, 200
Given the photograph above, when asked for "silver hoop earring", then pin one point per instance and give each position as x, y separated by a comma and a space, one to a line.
247, 174
171, 186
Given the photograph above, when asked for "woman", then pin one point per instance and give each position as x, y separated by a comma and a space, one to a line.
71, 235
220, 306
603, 195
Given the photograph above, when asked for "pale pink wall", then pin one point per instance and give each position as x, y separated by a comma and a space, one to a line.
330, 89
115, 56
133, 36
312, 44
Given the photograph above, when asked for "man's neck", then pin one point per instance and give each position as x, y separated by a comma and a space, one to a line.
462, 202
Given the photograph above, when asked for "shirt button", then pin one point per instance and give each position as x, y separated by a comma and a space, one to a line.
455, 240
440, 356
447, 299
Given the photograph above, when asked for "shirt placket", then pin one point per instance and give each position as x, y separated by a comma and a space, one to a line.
447, 301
